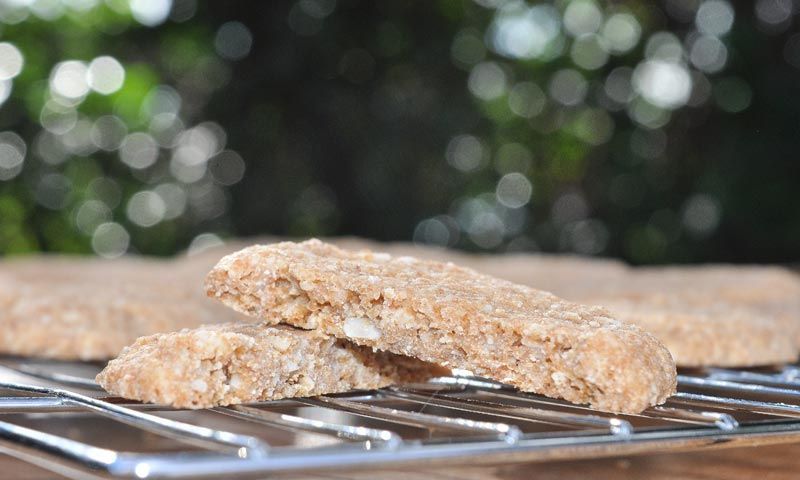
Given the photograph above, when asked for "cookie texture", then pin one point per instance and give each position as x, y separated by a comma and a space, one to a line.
712, 315
452, 316
710, 336
239, 363
706, 315
89, 309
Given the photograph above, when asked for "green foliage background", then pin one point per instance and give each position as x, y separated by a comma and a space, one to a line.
343, 113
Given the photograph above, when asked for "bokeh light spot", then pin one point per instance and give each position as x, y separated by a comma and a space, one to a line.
594, 126
110, 240
108, 132
183, 10
466, 153
165, 128
521, 32
570, 206
514, 190
618, 85
207, 201
49, 148
11, 61
227, 167
486, 230
203, 242
48, 10
589, 52
53, 191
69, 80
90, 215
439, 230
526, 99
145, 208
568, 87
587, 237
12, 155
105, 75
487, 81
150, 12
105, 189
139, 150
582, 17
467, 48
5, 90
57, 118
174, 198
621, 32
708, 54
714, 17
648, 115
233, 41
701, 215
77, 140
664, 84
664, 46
162, 99
774, 13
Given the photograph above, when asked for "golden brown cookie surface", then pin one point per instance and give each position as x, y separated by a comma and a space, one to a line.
89, 309
238, 363
706, 315
452, 316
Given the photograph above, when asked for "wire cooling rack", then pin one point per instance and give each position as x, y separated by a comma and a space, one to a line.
54, 416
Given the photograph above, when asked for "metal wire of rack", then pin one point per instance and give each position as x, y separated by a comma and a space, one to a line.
54, 416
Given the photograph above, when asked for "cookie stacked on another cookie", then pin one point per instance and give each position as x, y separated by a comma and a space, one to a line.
364, 320
452, 316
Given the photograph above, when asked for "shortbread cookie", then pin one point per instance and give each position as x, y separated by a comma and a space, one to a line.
89, 309
713, 315
240, 363
742, 284
710, 335
770, 288
708, 315
452, 316
772, 292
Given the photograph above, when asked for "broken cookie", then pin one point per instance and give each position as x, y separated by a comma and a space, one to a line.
452, 316
240, 363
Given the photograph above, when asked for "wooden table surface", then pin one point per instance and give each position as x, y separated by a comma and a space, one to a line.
775, 462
